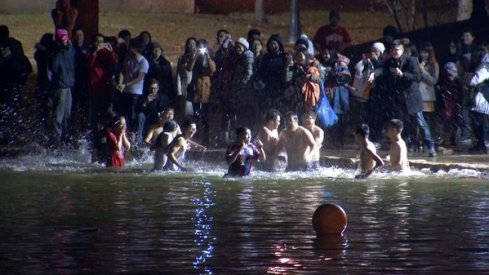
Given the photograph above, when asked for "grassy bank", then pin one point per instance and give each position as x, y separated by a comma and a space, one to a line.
171, 30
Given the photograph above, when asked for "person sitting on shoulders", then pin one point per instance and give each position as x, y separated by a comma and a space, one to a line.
309, 122
298, 143
240, 155
164, 139
180, 144
117, 143
398, 151
369, 159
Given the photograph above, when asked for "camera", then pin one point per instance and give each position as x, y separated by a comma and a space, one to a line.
203, 51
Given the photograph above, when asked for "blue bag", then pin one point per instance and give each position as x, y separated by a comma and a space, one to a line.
326, 115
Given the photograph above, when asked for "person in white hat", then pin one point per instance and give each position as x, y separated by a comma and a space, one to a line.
364, 91
242, 97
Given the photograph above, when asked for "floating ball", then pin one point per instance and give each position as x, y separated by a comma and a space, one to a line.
329, 219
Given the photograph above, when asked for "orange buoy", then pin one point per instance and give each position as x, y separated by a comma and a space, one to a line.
329, 219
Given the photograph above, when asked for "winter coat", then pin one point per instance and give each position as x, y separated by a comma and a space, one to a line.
429, 77
63, 67
403, 90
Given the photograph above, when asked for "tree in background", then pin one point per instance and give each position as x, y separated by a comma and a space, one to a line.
295, 22
260, 14
407, 12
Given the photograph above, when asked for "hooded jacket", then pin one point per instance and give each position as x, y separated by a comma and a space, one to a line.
271, 71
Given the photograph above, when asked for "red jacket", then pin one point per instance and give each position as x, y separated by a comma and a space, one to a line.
101, 65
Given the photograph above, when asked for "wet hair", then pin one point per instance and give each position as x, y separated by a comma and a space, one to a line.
167, 109
363, 130
397, 124
271, 115
292, 115
187, 123
170, 126
124, 33
115, 120
241, 130
311, 113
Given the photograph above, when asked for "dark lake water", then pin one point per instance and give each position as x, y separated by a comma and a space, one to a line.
60, 217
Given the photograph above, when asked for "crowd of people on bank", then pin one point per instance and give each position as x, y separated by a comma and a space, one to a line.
125, 93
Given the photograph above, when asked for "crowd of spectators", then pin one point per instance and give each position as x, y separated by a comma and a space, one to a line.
83, 85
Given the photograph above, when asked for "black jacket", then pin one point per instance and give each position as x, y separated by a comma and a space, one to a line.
404, 89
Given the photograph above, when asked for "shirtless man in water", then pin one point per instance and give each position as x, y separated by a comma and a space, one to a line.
268, 135
170, 131
309, 122
298, 142
398, 152
181, 143
369, 159
156, 129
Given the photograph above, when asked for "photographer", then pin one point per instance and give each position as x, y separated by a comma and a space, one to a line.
368, 93
199, 89
101, 65
399, 79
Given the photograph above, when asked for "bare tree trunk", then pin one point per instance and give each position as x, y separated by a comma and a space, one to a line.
464, 9
260, 14
412, 16
295, 22
425, 14
393, 12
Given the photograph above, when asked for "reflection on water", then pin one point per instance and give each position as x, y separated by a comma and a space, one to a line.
71, 217
203, 228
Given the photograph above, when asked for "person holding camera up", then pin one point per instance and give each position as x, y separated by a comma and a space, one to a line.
101, 65
199, 89
399, 77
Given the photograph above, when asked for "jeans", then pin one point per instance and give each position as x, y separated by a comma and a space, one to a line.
423, 125
62, 112
480, 125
